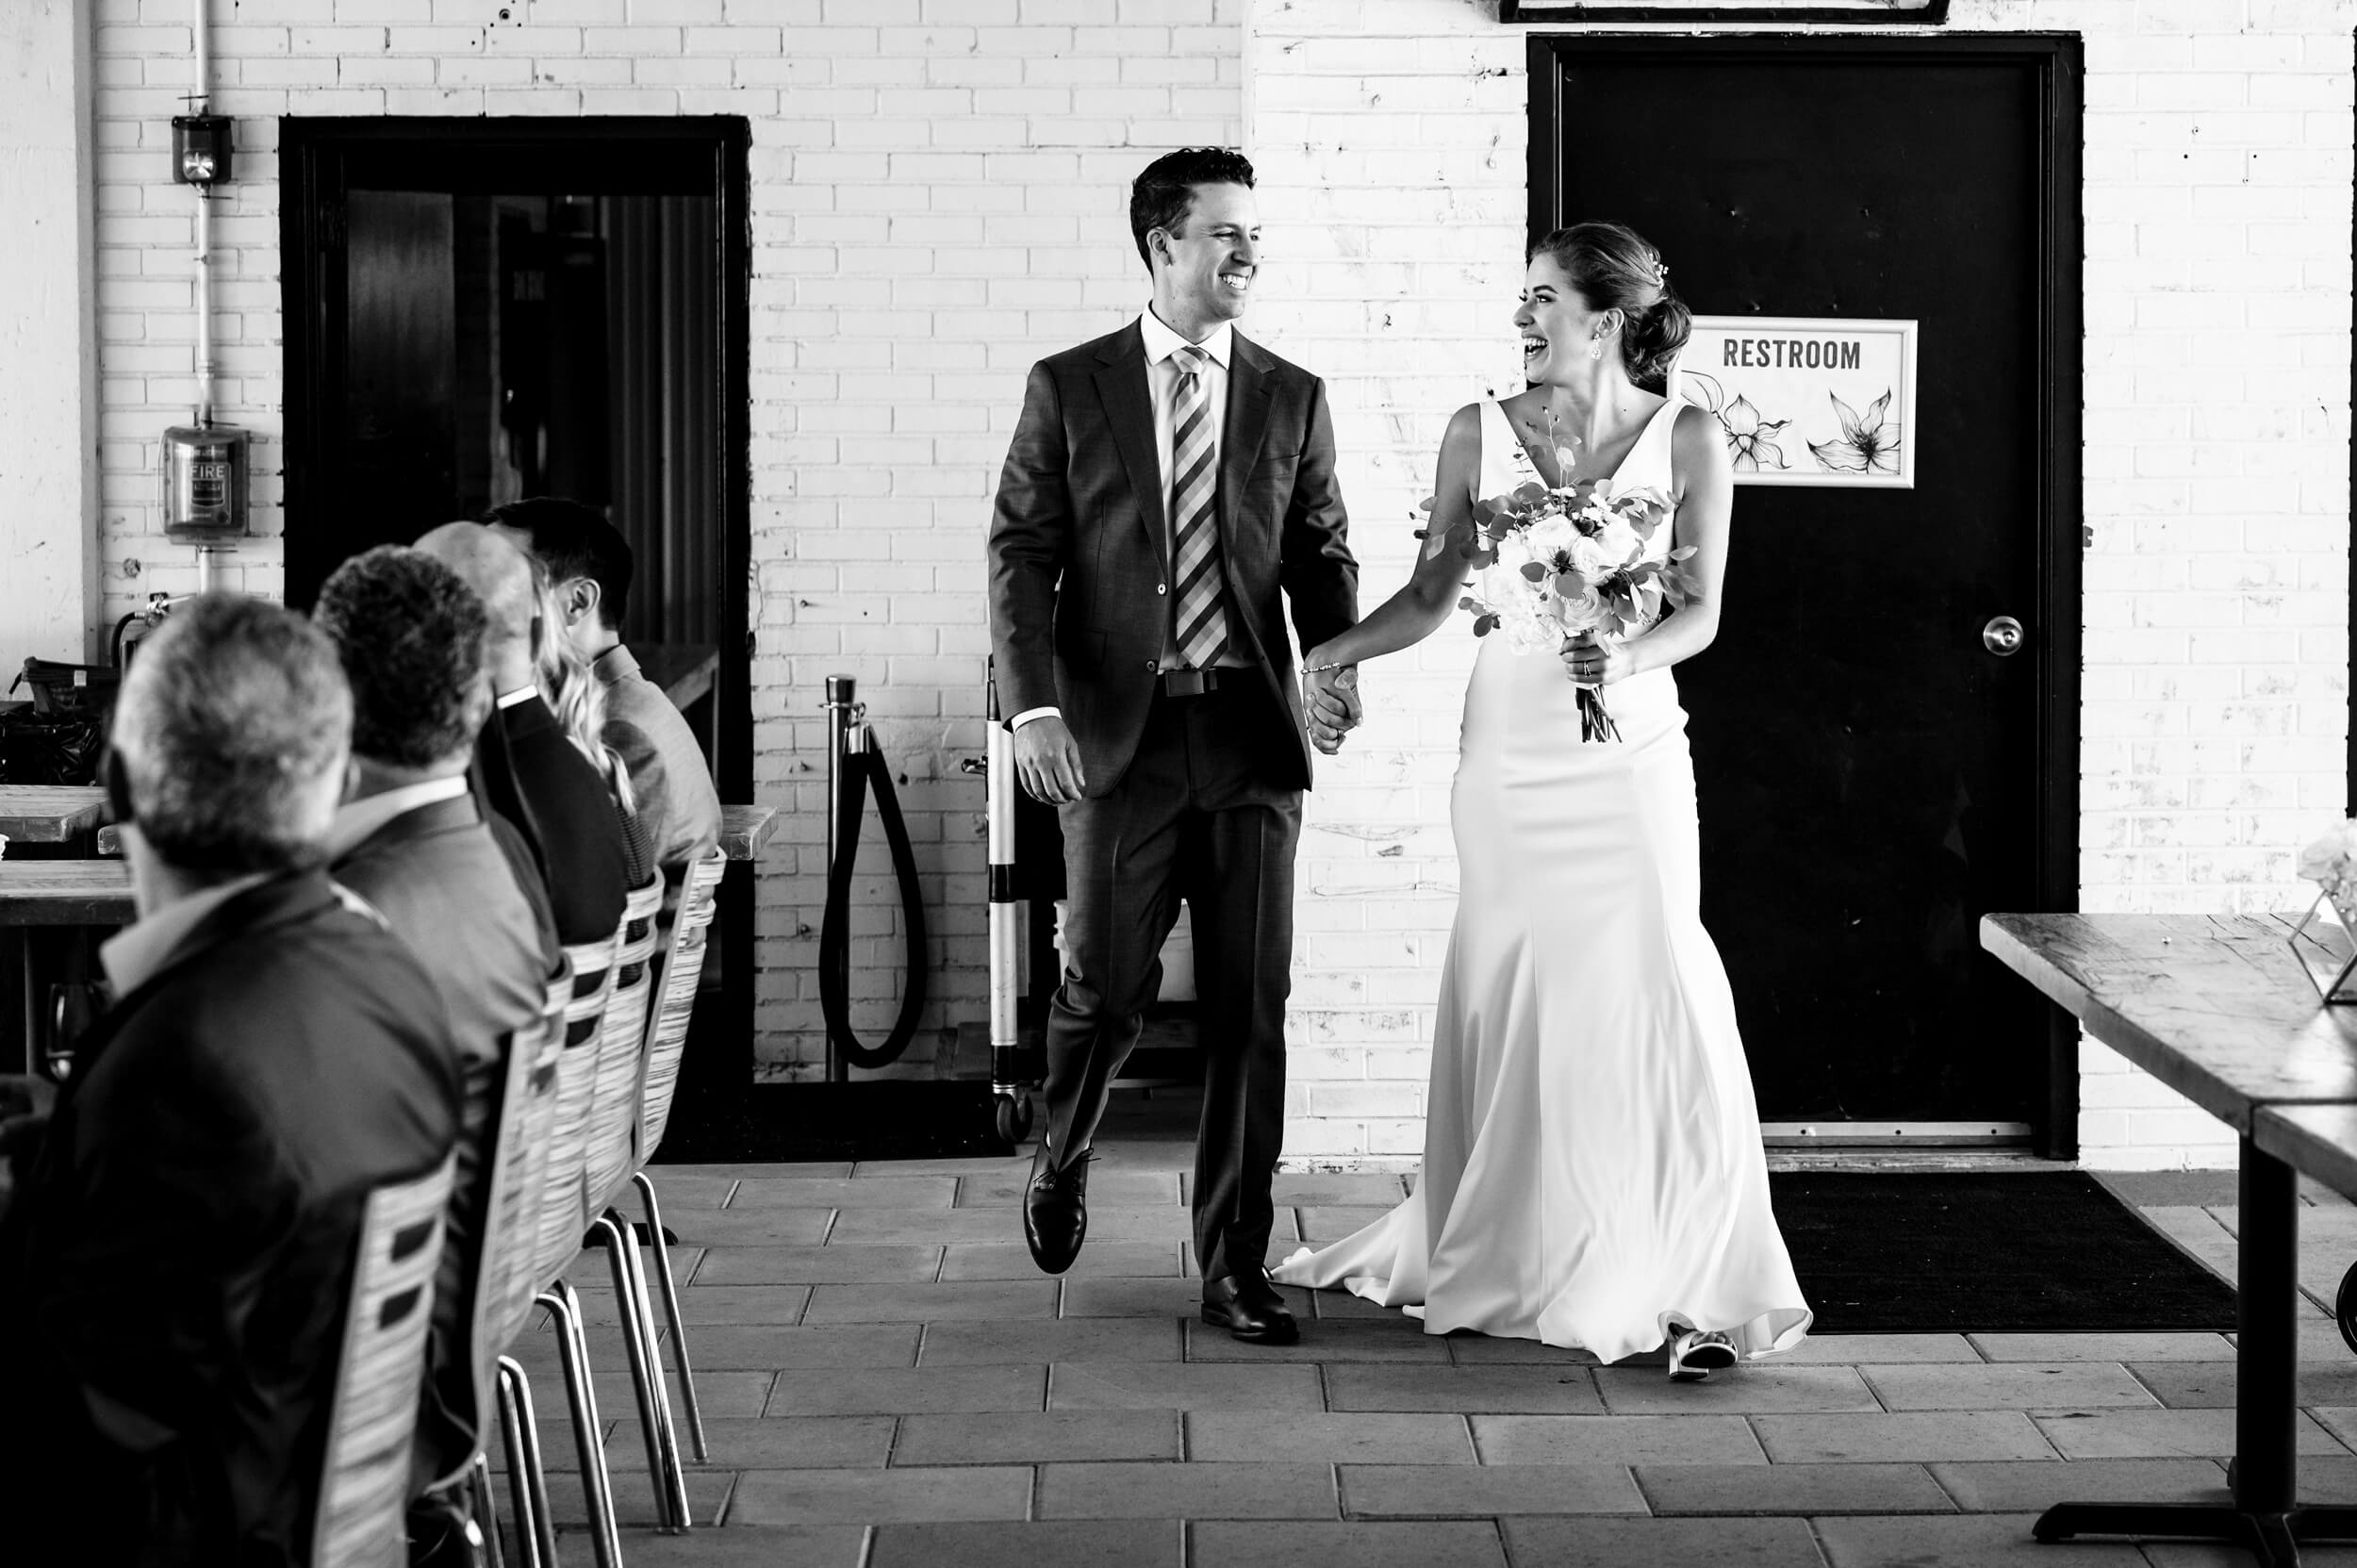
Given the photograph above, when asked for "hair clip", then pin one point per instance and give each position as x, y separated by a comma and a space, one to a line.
1660, 275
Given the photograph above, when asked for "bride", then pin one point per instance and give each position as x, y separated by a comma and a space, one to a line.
1592, 1173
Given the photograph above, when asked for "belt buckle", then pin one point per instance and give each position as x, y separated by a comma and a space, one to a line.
1186, 682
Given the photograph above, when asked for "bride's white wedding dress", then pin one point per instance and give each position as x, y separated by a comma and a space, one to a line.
1591, 1163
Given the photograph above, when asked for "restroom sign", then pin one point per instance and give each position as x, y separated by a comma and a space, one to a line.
1808, 401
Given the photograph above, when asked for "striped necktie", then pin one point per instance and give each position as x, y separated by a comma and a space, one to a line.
1202, 623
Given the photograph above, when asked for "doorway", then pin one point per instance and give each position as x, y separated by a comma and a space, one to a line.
1873, 775
481, 310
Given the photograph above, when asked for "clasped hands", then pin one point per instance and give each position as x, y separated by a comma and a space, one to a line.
1047, 758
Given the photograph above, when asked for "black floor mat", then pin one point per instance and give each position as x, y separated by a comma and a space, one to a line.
872, 1120
1933, 1252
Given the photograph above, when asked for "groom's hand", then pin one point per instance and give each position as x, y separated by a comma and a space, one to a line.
1331, 705
1048, 761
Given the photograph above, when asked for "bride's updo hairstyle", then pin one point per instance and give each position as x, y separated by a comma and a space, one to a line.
1613, 268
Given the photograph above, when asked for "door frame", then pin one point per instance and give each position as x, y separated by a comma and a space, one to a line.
2059, 60
682, 154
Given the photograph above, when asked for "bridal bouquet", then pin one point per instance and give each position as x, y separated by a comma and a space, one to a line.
1552, 563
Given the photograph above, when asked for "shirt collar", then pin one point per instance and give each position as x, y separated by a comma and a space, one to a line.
356, 821
521, 694
616, 663
132, 957
1161, 343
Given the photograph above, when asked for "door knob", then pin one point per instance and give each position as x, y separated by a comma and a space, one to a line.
2003, 635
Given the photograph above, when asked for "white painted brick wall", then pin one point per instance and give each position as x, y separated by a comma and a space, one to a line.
938, 199
1391, 133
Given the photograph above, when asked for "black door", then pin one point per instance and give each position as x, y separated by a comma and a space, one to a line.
481, 310
1872, 778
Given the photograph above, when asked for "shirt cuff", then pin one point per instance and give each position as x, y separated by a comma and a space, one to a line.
1029, 713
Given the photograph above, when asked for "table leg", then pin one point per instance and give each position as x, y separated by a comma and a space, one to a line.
21, 956
2265, 1517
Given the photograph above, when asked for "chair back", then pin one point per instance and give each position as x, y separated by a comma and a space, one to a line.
683, 966
511, 1232
562, 1201
364, 1483
614, 1114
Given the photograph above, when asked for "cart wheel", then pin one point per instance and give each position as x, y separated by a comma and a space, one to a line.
2345, 1307
1015, 1117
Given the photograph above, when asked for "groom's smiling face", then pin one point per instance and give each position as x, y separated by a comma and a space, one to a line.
1204, 265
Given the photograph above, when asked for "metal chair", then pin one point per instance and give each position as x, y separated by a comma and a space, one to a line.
562, 1204
502, 1234
667, 1041
364, 1483
608, 1164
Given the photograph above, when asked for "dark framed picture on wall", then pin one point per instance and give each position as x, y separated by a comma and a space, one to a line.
1879, 12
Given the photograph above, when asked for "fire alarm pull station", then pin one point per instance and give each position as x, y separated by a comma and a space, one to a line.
204, 483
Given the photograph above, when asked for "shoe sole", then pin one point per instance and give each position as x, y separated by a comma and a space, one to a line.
1218, 1319
1700, 1363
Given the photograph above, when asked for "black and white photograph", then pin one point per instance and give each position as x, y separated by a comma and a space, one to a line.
1355, 783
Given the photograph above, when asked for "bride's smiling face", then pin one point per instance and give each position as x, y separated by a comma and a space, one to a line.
1556, 323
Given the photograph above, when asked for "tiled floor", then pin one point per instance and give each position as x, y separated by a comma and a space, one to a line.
888, 1382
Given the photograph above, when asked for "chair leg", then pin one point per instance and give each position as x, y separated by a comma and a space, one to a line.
482, 1543
605, 1536
527, 1478
671, 1310
665, 1472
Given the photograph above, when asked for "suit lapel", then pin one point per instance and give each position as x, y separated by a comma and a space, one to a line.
1130, 409
1240, 437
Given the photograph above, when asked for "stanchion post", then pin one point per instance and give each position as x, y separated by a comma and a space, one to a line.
843, 715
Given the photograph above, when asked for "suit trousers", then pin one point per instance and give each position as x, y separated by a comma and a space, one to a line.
1195, 817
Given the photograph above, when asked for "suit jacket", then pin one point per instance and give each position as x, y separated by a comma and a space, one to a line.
1078, 581
668, 777
187, 1231
528, 771
440, 880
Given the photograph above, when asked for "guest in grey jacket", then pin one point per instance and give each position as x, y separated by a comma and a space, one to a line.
173, 1272
413, 841
592, 567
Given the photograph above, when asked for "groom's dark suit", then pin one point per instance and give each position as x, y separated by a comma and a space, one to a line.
1187, 796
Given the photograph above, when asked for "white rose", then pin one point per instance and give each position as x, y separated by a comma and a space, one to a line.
1548, 535
1619, 540
1592, 560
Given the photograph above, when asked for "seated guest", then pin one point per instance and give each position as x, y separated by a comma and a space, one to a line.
530, 772
578, 699
411, 840
184, 1246
589, 564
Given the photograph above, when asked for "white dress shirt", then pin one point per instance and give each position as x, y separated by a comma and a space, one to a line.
1162, 383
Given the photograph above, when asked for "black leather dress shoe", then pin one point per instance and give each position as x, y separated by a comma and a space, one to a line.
1056, 1211
1250, 1309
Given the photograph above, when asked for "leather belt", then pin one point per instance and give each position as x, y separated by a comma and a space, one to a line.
1192, 682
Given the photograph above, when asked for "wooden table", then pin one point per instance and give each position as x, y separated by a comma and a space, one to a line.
49, 814
56, 893
2218, 1008
745, 829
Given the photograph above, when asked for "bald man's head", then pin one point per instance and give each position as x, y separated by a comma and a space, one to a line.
501, 576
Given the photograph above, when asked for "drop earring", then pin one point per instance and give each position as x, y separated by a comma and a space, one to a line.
1596, 348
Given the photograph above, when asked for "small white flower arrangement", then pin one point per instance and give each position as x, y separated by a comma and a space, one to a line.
2331, 863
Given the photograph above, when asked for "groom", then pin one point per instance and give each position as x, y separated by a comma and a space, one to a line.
1164, 487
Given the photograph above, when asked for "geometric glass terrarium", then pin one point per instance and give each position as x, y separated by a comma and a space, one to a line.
2326, 948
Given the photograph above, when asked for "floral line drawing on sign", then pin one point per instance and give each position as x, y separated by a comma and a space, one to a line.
1806, 401
1867, 443
1751, 436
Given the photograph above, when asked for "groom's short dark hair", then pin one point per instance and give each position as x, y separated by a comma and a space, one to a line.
1159, 196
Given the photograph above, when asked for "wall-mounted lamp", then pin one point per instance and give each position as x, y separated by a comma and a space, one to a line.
200, 149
